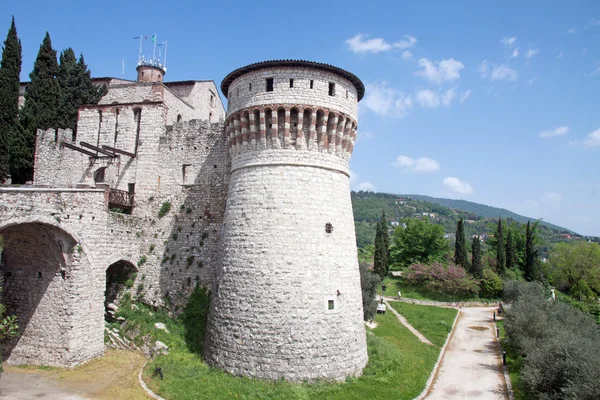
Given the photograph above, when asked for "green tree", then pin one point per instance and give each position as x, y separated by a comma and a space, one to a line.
382, 245
575, 269
461, 256
476, 267
194, 317
369, 282
10, 70
39, 112
8, 324
420, 242
77, 88
500, 253
529, 269
511, 252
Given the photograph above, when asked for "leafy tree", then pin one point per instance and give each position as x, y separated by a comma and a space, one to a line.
476, 267
420, 242
39, 112
369, 282
382, 245
436, 277
530, 253
511, 252
194, 318
460, 246
77, 88
575, 269
10, 70
500, 253
491, 284
8, 324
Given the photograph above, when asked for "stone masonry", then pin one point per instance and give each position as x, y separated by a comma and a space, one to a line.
259, 211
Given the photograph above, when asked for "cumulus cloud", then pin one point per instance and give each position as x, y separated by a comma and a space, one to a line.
531, 52
483, 69
364, 136
561, 130
465, 95
504, 73
515, 53
508, 41
560, 55
356, 185
440, 71
362, 44
571, 31
456, 185
366, 187
593, 139
416, 165
406, 55
430, 99
385, 101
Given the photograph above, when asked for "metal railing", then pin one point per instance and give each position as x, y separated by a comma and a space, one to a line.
120, 198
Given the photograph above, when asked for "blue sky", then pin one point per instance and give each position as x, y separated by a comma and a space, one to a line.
493, 103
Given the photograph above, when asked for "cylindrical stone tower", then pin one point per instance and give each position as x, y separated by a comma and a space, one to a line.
287, 299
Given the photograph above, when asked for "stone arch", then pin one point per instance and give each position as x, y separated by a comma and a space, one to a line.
269, 124
321, 135
294, 121
49, 284
281, 124
119, 277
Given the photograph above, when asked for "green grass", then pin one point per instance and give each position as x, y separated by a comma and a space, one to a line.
399, 366
514, 363
433, 322
395, 285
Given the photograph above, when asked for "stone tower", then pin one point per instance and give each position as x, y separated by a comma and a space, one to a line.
287, 299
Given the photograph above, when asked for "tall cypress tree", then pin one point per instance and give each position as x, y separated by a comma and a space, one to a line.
461, 256
476, 266
10, 70
500, 251
77, 88
42, 100
530, 253
511, 252
381, 257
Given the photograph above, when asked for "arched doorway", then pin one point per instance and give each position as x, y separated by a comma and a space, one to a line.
119, 277
49, 285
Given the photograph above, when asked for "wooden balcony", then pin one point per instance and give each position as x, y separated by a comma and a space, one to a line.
120, 199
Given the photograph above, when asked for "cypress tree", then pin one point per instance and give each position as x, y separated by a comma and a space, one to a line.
10, 70
77, 88
500, 251
476, 266
530, 253
42, 101
380, 261
511, 252
460, 246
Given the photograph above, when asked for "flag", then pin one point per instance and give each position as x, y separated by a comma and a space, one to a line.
137, 37
153, 38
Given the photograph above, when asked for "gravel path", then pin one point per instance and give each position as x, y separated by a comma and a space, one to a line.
471, 367
15, 385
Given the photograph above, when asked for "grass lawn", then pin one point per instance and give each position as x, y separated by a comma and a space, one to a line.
514, 363
395, 285
399, 366
433, 322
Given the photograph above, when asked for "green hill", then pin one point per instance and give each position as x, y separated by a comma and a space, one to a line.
479, 218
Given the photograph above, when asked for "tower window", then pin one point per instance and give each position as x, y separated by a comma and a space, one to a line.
328, 227
291, 83
346, 94
330, 304
269, 84
250, 87
312, 83
331, 89
178, 118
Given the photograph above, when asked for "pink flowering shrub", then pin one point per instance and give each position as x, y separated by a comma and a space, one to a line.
436, 277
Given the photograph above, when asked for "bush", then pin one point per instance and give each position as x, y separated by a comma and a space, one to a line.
561, 345
490, 284
436, 277
194, 318
369, 282
164, 209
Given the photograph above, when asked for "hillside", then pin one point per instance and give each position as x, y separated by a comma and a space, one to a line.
367, 208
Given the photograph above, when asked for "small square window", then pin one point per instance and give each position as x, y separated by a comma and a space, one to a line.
330, 304
269, 84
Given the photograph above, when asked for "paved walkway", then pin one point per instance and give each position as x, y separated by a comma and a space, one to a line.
16, 385
471, 367
407, 324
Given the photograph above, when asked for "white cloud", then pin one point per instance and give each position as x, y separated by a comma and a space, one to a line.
483, 69
561, 130
406, 55
515, 53
353, 178
595, 22
531, 81
440, 71
508, 41
531, 52
385, 101
593, 139
416, 165
430, 99
364, 136
366, 187
465, 95
596, 71
560, 55
362, 44
456, 185
571, 31
504, 73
